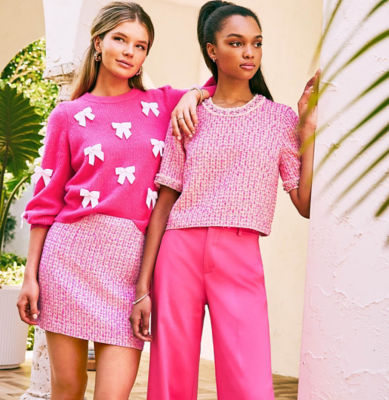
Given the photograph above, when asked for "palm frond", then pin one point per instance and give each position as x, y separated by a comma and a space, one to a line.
377, 161
369, 191
341, 47
382, 208
367, 46
381, 79
371, 115
381, 134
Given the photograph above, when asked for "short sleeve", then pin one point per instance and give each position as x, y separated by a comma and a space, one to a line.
53, 174
290, 163
172, 165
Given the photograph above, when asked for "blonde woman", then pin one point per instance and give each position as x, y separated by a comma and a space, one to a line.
93, 199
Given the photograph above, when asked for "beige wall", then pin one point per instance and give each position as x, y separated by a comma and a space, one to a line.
290, 31
21, 23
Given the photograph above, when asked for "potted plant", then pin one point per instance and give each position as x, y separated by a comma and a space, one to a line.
19, 144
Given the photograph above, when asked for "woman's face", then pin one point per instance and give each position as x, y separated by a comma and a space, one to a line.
123, 49
238, 48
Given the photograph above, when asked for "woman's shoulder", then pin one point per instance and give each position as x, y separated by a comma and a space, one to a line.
277, 108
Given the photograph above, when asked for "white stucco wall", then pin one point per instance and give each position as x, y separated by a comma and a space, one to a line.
345, 349
290, 37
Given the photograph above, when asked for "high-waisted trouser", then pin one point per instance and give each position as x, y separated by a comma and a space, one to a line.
220, 267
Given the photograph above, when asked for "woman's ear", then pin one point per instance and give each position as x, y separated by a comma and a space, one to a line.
97, 44
211, 51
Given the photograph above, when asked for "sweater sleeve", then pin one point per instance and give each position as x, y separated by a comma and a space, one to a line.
51, 177
172, 165
290, 163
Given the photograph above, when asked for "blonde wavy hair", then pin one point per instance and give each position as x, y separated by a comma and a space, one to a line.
107, 19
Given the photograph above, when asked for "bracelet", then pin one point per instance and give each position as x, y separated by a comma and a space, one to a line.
140, 299
201, 93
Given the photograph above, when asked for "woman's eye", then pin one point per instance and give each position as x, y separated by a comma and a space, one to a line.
140, 46
258, 44
236, 44
119, 39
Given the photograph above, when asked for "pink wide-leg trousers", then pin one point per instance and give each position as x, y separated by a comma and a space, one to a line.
220, 267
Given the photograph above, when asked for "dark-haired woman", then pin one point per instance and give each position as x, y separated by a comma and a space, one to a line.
220, 190
93, 199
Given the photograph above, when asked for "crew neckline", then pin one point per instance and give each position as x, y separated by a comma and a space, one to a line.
252, 104
110, 99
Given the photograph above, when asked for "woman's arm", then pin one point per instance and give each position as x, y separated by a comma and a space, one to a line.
28, 297
301, 197
184, 116
140, 315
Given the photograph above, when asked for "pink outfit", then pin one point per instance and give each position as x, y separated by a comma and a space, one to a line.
101, 157
228, 173
96, 190
228, 177
87, 277
220, 267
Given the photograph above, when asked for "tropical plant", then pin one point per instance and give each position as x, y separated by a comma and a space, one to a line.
20, 141
11, 269
25, 72
377, 137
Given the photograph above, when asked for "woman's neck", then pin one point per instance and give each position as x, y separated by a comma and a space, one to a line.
231, 92
110, 85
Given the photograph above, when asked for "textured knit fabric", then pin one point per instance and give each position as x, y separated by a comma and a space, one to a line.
87, 277
228, 173
101, 156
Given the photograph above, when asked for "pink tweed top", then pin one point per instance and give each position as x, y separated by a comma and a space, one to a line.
228, 173
101, 156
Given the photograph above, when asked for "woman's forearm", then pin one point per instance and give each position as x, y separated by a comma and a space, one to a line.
155, 231
35, 247
303, 203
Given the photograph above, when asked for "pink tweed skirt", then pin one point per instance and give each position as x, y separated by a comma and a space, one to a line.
87, 277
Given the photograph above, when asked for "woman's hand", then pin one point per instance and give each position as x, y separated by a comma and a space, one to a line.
184, 116
28, 301
140, 319
307, 108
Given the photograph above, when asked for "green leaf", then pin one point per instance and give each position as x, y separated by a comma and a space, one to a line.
381, 134
372, 42
341, 47
381, 79
372, 114
383, 207
370, 191
19, 130
377, 161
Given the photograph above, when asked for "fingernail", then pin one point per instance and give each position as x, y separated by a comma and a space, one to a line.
34, 316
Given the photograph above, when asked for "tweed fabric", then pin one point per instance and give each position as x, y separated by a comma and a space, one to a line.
228, 173
87, 277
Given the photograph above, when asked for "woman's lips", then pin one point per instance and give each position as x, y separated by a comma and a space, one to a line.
124, 64
248, 66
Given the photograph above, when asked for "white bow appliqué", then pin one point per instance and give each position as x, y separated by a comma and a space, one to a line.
39, 173
146, 107
122, 128
158, 146
83, 115
152, 197
124, 173
90, 197
94, 151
